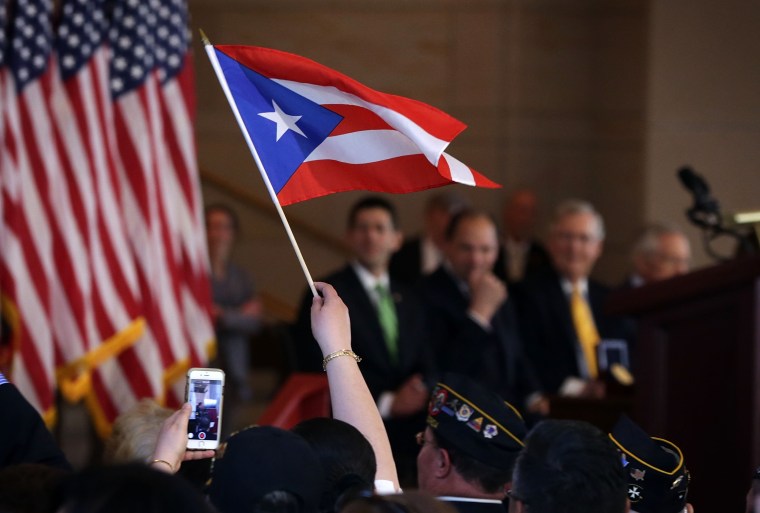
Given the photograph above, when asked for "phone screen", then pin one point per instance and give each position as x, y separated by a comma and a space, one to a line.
205, 396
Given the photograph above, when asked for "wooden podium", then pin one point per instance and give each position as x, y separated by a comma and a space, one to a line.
697, 368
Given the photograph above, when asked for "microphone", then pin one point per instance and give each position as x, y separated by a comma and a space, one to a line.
706, 214
706, 211
694, 183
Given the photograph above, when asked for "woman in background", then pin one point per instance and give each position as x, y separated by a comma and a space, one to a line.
237, 310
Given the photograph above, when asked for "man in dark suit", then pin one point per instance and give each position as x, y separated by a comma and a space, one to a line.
561, 311
522, 255
473, 327
25, 439
387, 327
421, 255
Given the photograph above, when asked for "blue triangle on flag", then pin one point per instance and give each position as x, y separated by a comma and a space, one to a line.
255, 94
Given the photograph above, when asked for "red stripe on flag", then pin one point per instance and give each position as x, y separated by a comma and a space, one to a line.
192, 260
39, 376
480, 180
157, 273
18, 224
443, 168
36, 368
398, 175
108, 178
43, 170
135, 372
356, 119
129, 158
14, 221
178, 161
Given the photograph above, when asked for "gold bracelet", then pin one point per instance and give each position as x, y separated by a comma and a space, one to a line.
337, 354
171, 467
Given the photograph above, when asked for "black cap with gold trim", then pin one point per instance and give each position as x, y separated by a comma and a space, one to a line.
476, 421
658, 481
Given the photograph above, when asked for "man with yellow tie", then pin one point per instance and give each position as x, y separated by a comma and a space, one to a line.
561, 315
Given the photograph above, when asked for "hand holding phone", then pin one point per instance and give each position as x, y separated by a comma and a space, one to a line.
204, 391
170, 449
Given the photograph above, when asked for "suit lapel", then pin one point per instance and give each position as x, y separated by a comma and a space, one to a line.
450, 289
402, 313
365, 325
596, 296
562, 307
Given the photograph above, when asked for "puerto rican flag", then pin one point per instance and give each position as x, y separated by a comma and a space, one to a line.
318, 132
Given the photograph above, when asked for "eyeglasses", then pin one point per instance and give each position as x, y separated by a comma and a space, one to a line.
420, 438
583, 238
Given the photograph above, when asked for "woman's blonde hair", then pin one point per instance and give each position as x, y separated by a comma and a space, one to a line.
135, 433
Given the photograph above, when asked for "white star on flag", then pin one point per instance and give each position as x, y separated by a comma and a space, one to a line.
284, 121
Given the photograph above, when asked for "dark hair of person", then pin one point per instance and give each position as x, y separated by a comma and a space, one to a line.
29, 488
278, 501
371, 202
486, 477
569, 466
466, 215
129, 488
224, 209
346, 456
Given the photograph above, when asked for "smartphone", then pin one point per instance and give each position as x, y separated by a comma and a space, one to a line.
204, 390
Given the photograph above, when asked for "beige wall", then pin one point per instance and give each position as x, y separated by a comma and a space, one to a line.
552, 91
704, 106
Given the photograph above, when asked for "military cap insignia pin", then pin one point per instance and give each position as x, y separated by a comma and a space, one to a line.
635, 493
490, 431
450, 408
464, 413
438, 400
476, 424
638, 474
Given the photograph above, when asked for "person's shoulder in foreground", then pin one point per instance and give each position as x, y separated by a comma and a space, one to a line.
26, 439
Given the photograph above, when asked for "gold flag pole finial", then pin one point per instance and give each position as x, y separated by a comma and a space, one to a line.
204, 38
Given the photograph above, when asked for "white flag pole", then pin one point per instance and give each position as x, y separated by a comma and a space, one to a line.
223, 82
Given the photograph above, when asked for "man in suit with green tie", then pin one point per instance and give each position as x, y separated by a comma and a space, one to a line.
387, 327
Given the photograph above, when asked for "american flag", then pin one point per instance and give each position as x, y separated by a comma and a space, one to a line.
101, 205
175, 73
153, 101
7, 306
28, 236
107, 289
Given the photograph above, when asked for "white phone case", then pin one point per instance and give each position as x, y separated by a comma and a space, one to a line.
204, 390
